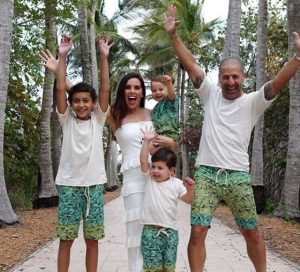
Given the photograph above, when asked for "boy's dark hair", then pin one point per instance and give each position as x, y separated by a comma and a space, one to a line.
166, 155
82, 87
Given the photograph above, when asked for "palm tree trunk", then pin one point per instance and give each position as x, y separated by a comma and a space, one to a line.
226, 49
183, 119
108, 156
56, 133
84, 42
290, 199
232, 41
177, 90
92, 31
7, 214
257, 162
47, 187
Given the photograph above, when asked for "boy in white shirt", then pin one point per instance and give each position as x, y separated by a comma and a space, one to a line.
81, 172
159, 216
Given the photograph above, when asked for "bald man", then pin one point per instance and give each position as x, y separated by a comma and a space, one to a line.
222, 164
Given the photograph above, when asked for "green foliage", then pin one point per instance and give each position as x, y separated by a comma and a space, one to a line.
270, 207
22, 194
21, 134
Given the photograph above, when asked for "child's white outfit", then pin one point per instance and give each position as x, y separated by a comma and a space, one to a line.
160, 202
160, 234
82, 158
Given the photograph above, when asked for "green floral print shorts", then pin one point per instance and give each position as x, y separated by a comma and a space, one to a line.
76, 203
216, 184
159, 248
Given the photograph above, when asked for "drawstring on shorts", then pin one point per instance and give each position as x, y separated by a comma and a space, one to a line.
164, 231
220, 172
88, 201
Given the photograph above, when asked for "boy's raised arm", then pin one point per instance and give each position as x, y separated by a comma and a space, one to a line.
149, 135
104, 48
61, 98
51, 64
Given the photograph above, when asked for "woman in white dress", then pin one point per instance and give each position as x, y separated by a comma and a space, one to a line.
128, 116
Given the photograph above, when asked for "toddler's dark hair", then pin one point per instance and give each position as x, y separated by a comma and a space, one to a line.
82, 87
166, 155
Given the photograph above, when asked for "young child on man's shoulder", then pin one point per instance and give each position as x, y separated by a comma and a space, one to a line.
165, 112
159, 214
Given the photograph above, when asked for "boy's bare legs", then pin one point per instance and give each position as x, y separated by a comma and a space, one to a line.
91, 259
63, 260
255, 248
196, 248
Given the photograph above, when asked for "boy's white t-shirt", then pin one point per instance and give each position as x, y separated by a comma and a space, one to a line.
227, 126
160, 202
82, 158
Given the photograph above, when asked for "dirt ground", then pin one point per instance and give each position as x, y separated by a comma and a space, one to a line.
37, 228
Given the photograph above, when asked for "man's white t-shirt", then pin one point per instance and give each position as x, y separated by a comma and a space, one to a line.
82, 158
227, 127
160, 202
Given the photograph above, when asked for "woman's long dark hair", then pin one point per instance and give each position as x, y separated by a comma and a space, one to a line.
119, 108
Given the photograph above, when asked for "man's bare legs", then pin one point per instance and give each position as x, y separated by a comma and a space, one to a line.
196, 248
63, 259
91, 258
255, 248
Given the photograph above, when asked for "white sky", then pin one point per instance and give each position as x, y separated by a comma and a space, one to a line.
212, 9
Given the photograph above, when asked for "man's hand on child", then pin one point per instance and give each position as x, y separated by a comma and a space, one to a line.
65, 45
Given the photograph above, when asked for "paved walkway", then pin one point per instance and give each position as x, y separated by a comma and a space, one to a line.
226, 250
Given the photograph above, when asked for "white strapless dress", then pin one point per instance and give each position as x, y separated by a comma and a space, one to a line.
129, 138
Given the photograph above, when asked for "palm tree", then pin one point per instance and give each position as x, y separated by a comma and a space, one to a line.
257, 147
232, 40
84, 41
290, 197
47, 188
92, 34
7, 214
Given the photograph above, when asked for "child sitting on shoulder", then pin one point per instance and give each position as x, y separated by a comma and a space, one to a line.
165, 112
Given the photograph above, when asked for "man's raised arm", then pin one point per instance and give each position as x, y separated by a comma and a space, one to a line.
273, 87
185, 57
